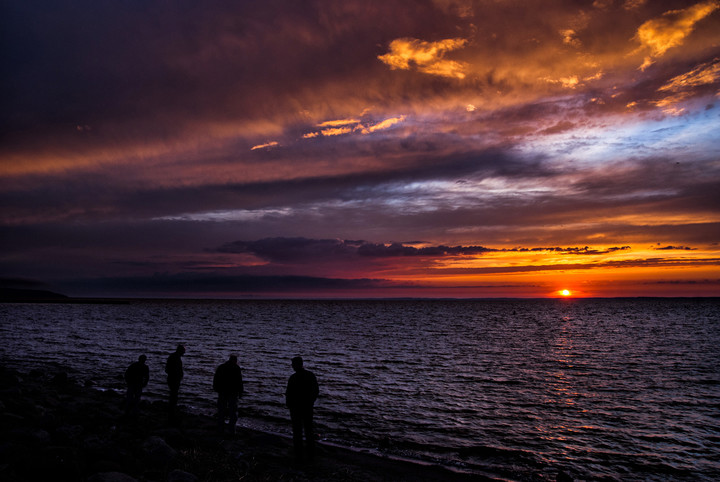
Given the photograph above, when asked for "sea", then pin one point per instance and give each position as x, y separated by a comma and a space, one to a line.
614, 389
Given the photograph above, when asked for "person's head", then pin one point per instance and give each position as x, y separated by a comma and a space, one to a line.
142, 358
233, 359
297, 363
180, 349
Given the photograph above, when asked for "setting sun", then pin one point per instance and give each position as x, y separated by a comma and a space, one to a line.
565, 292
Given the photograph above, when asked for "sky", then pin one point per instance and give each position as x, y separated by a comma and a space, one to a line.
393, 148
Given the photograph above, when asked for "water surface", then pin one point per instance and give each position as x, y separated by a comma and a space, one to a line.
626, 389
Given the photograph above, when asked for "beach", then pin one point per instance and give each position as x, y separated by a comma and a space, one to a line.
57, 427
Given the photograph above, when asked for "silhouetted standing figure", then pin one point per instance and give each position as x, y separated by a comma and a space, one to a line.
174, 370
302, 391
228, 383
136, 377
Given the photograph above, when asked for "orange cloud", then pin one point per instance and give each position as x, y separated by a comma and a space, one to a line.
347, 126
681, 87
386, 124
570, 37
263, 146
336, 131
661, 34
633, 4
339, 122
567, 82
427, 57
707, 73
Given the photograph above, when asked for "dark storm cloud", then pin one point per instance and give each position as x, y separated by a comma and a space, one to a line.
312, 250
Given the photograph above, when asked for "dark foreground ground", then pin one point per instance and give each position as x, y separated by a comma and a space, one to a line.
54, 429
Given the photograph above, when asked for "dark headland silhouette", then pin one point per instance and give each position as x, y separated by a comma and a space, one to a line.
21, 295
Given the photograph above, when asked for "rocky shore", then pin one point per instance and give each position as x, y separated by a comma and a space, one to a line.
54, 428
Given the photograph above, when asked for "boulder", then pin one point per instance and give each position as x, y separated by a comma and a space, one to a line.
111, 477
158, 453
178, 475
68, 433
32, 437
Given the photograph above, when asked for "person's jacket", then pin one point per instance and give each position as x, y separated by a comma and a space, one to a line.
228, 380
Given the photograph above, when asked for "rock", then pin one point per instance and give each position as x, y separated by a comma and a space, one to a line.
176, 438
178, 475
60, 463
93, 442
11, 420
68, 433
158, 453
111, 477
33, 437
103, 466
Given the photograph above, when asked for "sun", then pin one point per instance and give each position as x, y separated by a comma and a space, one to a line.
565, 292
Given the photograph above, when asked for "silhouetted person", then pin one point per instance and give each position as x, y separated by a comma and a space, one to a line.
228, 383
136, 377
300, 396
174, 370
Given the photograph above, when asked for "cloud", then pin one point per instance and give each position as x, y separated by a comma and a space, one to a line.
661, 34
570, 37
336, 131
348, 126
561, 126
614, 264
700, 81
338, 122
686, 282
707, 73
307, 250
382, 125
567, 82
427, 57
312, 250
401, 250
586, 250
264, 146
675, 248
633, 4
